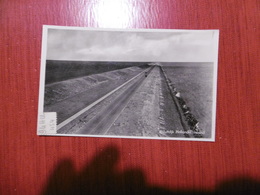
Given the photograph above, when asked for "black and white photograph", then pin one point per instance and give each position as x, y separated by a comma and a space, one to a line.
129, 83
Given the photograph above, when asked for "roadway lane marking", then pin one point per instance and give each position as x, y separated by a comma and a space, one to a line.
67, 121
102, 120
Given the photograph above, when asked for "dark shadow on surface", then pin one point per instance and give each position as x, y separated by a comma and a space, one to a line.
100, 177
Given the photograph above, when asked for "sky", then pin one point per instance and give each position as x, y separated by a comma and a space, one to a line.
147, 46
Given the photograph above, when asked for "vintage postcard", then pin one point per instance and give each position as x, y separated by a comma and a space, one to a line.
121, 83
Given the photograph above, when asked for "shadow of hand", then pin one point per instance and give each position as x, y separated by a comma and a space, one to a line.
100, 177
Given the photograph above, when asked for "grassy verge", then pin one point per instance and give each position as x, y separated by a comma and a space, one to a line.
195, 86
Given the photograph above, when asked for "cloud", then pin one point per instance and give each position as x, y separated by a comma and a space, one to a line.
100, 45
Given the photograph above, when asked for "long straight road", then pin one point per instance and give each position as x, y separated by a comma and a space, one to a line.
140, 107
105, 117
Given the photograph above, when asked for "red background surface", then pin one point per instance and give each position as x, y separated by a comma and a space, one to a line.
30, 164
